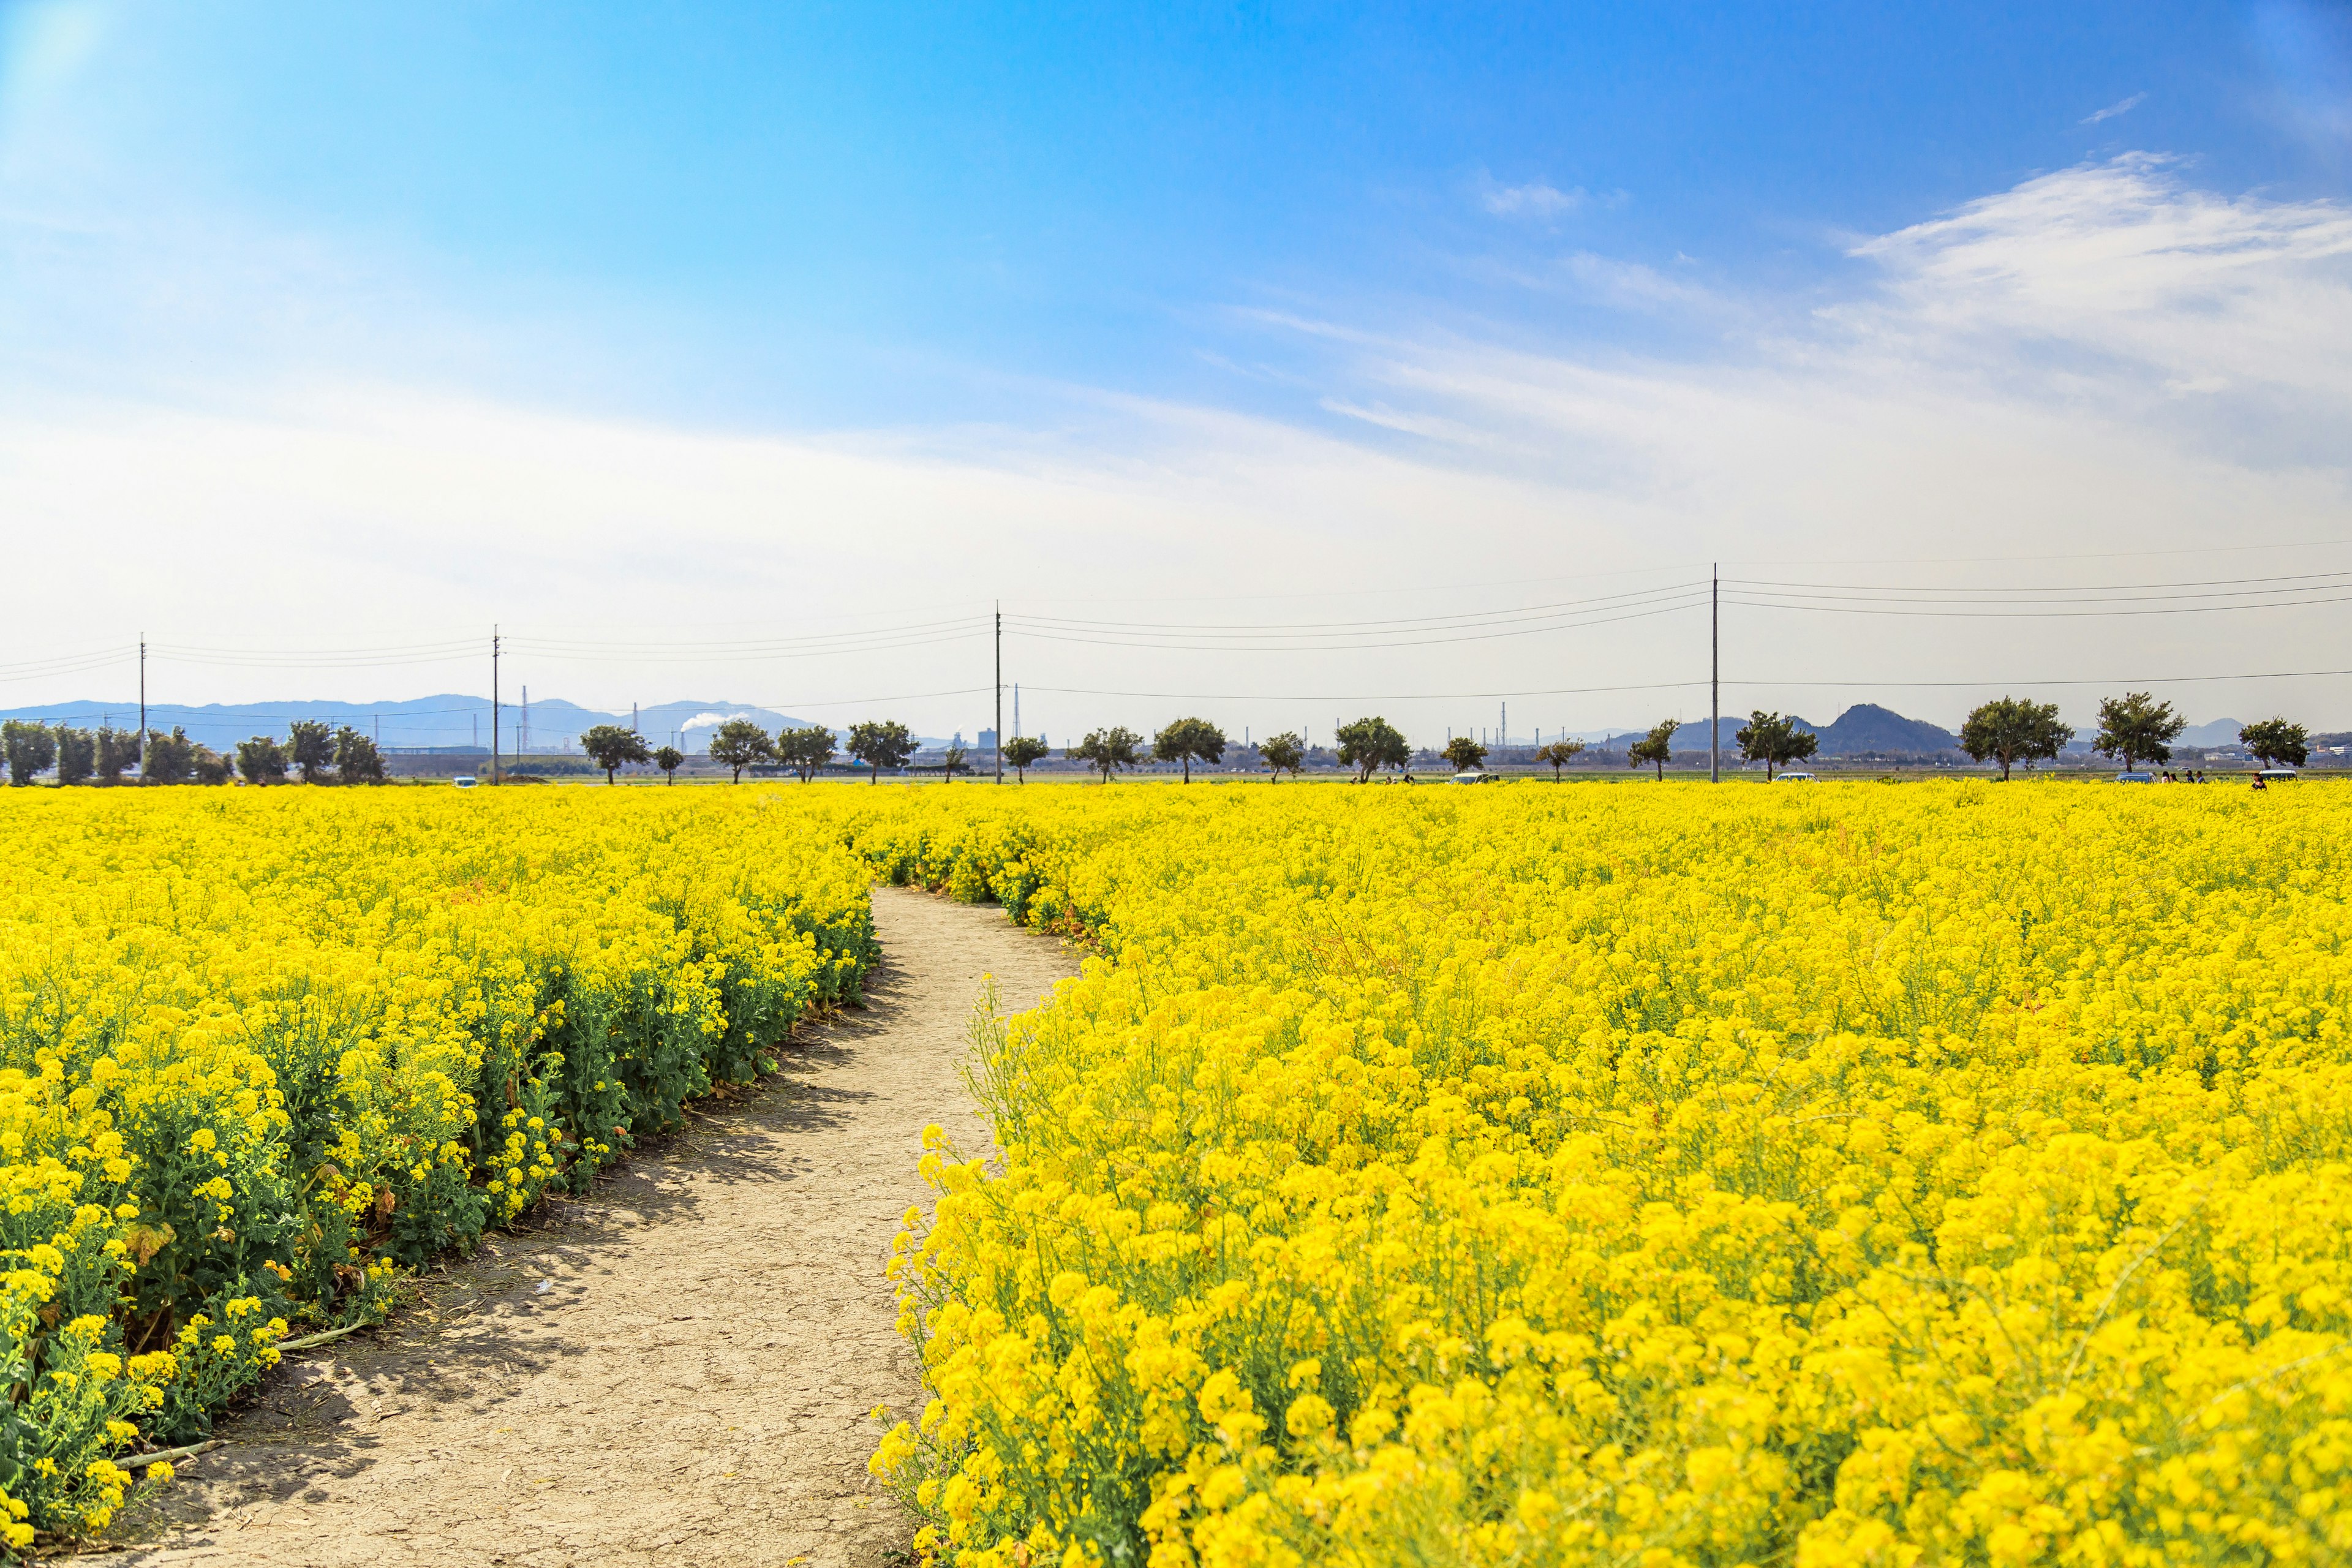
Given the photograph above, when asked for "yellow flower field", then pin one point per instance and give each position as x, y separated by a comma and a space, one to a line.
1942, 1173
258, 1051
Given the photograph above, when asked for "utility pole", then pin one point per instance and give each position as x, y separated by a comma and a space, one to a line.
142, 757
1714, 675
1505, 738
494, 703
1000, 691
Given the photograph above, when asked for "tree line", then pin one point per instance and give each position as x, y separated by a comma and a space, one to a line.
320, 753
2133, 729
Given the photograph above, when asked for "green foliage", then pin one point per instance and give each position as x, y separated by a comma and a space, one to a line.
739, 743
612, 746
2132, 729
1187, 739
1370, 744
1463, 753
806, 750
1021, 751
357, 761
261, 760
30, 749
881, 745
77, 755
2015, 729
172, 759
1286, 753
117, 749
310, 747
1108, 751
1558, 753
2272, 742
202, 764
1656, 748
1769, 739
953, 763
669, 759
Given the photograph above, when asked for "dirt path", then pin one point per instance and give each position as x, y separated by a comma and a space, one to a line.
677, 1371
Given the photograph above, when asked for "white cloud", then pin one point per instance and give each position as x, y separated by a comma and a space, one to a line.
2123, 107
1533, 199
2107, 358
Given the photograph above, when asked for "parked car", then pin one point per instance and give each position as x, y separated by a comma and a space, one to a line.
1794, 778
465, 781
2135, 778
1473, 776
2276, 775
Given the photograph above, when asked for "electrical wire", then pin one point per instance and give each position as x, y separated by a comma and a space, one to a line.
2031, 613
1393, 623
1366, 644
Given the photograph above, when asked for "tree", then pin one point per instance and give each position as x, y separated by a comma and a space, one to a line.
1108, 751
311, 746
117, 749
881, 745
77, 755
2132, 729
2015, 729
2272, 742
1657, 747
1187, 739
806, 750
356, 759
1558, 753
739, 743
261, 760
1284, 754
1769, 739
173, 758
1021, 751
1370, 744
1463, 753
669, 759
30, 749
953, 763
610, 747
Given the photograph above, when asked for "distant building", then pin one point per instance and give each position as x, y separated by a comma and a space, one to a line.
988, 740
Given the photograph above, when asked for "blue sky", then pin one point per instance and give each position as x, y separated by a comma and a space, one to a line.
671, 317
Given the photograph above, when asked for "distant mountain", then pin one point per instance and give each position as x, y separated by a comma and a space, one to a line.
1868, 730
1692, 737
2219, 733
1863, 729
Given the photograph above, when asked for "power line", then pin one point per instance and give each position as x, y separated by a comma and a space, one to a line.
1691, 599
2036, 614
1387, 623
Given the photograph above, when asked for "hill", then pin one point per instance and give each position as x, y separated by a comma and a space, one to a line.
1867, 730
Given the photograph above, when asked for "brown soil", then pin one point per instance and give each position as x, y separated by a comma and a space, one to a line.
678, 1370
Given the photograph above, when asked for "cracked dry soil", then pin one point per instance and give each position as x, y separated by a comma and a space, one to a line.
677, 1370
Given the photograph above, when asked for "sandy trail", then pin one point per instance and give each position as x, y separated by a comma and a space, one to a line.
678, 1370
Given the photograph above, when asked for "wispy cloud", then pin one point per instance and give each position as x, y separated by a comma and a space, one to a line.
2124, 107
1535, 199
2109, 357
